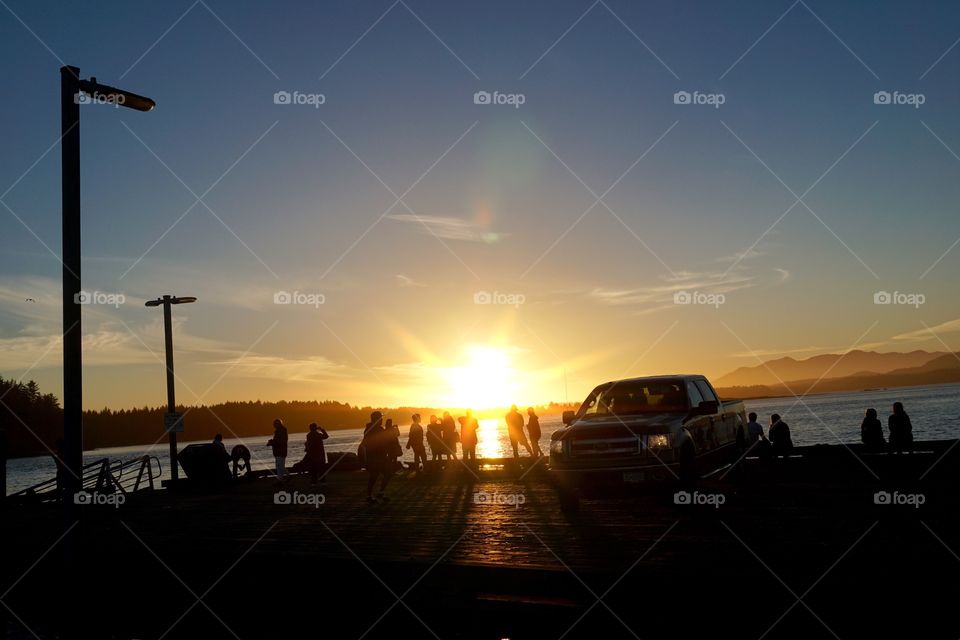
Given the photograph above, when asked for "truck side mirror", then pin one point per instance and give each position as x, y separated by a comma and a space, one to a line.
569, 416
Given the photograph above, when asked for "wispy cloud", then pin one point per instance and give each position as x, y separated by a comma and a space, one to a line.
406, 281
449, 227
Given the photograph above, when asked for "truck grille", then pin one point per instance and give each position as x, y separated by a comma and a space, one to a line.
604, 447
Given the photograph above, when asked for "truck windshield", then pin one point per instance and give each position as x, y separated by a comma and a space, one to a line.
635, 397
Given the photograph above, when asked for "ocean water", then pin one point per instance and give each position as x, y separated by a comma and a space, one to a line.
827, 418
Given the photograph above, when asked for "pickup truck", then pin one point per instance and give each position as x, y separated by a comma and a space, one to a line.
645, 429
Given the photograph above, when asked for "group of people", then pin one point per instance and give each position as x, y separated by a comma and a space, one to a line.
871, 432
381, 446
899, 428
315, 459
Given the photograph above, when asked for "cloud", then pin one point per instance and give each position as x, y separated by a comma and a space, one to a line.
951, 326
307, 369
449, 228
406, 281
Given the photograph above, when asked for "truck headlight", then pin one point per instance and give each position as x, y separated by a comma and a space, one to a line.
556, 448
661, 441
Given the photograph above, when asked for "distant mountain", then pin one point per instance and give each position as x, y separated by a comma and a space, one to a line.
855, 363
942, 369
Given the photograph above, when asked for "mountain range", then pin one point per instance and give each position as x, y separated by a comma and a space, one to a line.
854, 370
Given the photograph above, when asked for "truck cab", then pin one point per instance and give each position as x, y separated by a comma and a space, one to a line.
645, 429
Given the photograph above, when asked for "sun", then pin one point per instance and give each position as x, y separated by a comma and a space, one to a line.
486, 380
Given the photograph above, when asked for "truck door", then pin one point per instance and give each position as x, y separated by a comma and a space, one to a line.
700, 426
724, 425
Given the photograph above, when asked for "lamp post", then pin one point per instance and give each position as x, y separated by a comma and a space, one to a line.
173, 421
73, 93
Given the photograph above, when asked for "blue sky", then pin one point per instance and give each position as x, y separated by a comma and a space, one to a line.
297, 202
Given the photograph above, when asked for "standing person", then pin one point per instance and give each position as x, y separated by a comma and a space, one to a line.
376, 448
468, 436
435, 438
394, 450
316, 452
780, 436
218, 443
900, 428
279, 445
533, 428
871, 431
515, 430
415, 442
448, 431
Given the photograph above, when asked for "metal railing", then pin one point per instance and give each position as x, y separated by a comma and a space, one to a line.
102, 476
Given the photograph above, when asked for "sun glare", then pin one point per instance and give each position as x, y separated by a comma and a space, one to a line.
486, 380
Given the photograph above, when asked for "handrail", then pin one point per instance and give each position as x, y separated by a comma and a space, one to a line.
108, 478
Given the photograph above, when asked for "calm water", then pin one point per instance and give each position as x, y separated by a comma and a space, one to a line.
829, 418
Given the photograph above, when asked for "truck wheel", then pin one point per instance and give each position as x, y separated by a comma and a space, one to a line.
569, 500
688, 464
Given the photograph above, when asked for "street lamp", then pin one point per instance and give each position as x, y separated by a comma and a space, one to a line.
73, 93
173, 421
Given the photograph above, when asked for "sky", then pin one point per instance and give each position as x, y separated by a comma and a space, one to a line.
479, 202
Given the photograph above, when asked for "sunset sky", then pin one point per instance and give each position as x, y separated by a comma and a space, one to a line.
400, 203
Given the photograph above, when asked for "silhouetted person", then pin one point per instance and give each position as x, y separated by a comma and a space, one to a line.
780, 436
376, 446
240, 455
515, 430
316, 452
468, 436
448, 432
221, 448
394, 450
279, 445
415, 443
533, 428
435, 438
900, 428
754, 430
871, 431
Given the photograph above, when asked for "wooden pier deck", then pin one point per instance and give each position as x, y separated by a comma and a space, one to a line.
803, 539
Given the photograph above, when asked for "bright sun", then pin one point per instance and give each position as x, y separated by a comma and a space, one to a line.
487, 379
